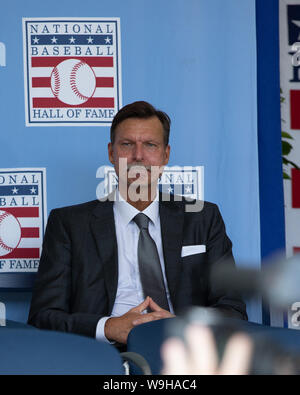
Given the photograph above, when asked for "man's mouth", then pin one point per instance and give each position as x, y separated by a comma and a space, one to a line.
137, 167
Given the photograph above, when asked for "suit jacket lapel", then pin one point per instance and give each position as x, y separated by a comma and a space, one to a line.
103, 228
171, 219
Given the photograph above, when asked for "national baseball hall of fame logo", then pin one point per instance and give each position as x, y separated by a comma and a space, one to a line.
22, 219
72, 71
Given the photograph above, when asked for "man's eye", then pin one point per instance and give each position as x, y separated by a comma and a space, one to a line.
126, 144
151, 145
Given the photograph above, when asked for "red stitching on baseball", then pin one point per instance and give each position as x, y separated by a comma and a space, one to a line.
4, 215
73, 80
56, 82
2, 244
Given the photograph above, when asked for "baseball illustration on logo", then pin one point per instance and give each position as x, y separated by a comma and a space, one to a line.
73, 81
10, 233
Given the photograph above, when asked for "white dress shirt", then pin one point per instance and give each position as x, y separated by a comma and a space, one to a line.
129, 291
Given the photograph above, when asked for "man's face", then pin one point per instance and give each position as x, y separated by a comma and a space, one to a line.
141, 143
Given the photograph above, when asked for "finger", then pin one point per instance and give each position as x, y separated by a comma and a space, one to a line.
148, 318
174, 357
237, 356
141, 307
154, 306
202, 353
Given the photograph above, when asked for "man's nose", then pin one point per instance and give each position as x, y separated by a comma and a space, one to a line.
138, 152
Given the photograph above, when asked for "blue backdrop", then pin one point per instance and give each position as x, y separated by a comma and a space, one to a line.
194, 59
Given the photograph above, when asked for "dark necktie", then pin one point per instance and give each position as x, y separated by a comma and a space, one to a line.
149, 264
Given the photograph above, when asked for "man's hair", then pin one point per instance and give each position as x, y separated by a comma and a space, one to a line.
142, 110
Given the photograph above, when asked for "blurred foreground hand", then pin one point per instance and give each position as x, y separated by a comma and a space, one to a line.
199, 356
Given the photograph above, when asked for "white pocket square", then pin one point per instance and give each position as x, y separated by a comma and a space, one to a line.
192, 250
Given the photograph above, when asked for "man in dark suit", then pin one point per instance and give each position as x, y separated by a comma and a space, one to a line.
107, 266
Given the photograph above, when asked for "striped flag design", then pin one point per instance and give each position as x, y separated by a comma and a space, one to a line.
29, 246
43, 96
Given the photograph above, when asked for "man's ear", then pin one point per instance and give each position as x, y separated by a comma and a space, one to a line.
111, 153
167, 154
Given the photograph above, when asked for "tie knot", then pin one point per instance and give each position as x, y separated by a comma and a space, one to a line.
141, 220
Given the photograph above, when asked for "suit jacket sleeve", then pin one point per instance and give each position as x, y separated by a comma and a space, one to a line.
51, 300
219, 250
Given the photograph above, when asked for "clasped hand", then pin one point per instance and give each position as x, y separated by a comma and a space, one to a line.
118, 328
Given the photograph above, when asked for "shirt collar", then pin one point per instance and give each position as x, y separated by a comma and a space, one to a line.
127, 212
